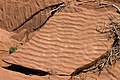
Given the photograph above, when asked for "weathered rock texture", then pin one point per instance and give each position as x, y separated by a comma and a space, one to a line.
67, 41
15, 13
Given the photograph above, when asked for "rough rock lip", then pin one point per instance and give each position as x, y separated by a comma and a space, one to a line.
15, 13
25, 70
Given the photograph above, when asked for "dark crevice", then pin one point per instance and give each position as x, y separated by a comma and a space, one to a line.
29, 71
56, 5
39, 26
52, 13
25, 70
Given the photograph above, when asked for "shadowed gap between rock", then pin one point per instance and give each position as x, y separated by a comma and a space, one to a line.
25, 70
35, 15
29, 71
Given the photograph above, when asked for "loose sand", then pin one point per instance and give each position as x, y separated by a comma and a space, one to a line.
67, 41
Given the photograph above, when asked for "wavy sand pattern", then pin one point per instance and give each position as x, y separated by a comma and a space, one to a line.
67, 41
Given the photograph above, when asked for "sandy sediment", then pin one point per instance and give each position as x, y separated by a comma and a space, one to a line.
67, 41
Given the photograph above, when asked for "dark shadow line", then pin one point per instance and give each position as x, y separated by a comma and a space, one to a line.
37, 27
25, 70
34, 15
